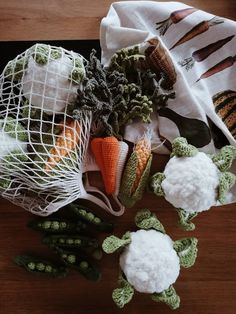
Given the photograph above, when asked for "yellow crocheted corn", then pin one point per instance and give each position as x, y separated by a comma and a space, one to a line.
143, 150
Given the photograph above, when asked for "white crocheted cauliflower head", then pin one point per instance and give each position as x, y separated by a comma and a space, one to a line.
150, 261
193, 181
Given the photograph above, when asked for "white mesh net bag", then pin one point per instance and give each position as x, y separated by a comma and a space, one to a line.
43, 149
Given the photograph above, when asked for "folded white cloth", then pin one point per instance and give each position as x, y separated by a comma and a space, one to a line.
202, 48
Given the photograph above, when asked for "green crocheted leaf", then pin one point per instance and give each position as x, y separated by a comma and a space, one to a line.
155, 184
224, 159
226, 181
168, 296
124, 294
186, 249
181, 148
185, 219
113, 243
144, 219
127, 198
78, 72
15, 130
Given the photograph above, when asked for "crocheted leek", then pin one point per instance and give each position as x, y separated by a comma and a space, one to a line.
193, 181
150, 261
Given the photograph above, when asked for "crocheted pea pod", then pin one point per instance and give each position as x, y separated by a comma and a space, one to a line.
57, 225
89, 217
126, 196
74, 241
169, 296
39, 266
186, 249
79, 263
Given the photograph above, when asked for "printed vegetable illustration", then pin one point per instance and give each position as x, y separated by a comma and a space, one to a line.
65, 143
160, 62
84, 214
106, 152
57, 225
197, 30
193, 181
150, 261
222, 65
136, 173
205, 52
195, 131
41, 267
225, 107
175, 17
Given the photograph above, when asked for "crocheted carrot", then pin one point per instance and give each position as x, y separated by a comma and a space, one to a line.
106, 153
66, 142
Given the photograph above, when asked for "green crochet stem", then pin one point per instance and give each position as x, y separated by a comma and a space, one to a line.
226, 182
124, 294
186, 249
113, 243
155, 184
181, 148
168, 296
144, 219
223, 160
185, 219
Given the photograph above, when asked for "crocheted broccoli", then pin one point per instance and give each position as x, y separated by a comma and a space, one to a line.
194, 181
150, 261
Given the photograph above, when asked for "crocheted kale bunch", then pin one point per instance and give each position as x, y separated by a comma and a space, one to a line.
193, 181
124, 91
150, 261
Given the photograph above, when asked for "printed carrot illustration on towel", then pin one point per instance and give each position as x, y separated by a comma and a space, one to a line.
204, 53
174, 18
222, 65
197, 30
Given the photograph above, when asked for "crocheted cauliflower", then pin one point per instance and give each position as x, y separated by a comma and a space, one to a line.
49, 76
150, 261
194, 181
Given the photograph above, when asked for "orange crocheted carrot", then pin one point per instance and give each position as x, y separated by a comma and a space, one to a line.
106, 153
143, 150
66, 142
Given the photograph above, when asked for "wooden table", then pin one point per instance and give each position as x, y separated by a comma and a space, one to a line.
208, 288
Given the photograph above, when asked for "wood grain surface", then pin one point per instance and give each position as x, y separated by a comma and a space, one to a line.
207, 288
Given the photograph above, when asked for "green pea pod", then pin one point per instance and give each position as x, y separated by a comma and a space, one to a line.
70, 241
57, 225
88, 216
40, 266
79, 263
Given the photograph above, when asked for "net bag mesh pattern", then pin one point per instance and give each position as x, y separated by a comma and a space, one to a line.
43, 148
